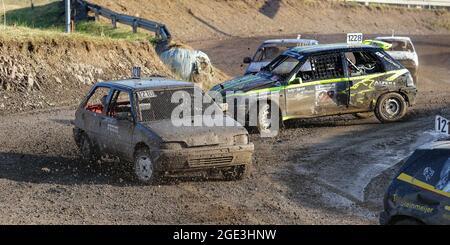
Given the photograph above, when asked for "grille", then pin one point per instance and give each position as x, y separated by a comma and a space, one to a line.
210, 161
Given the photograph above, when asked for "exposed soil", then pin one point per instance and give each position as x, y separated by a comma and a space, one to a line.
37, 73
190, 20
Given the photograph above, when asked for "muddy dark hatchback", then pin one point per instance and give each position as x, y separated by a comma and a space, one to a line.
132, 119
420, 193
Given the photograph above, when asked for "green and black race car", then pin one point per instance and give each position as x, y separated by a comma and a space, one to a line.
324, 80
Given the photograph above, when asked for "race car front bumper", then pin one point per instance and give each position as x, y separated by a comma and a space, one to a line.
201, 158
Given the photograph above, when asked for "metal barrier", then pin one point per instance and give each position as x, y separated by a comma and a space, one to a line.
421, 3
159, 29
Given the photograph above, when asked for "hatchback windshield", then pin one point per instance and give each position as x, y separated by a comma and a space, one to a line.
282, 66
400, 45
154, 105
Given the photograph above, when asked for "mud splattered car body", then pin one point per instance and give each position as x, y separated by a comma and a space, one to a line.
131, 119
420, 192
333, 79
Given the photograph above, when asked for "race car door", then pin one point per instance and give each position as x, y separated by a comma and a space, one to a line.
318, 87
120, 124
364, 71
95, 113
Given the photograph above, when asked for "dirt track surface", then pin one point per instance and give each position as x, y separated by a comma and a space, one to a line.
331, 170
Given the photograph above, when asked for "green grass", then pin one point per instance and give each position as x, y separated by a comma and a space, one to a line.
48, 16
106, 30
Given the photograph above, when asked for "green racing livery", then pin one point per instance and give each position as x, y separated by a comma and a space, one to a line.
323, 80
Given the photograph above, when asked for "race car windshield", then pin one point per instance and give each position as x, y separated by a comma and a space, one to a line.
267, 54
282, 66
159, 105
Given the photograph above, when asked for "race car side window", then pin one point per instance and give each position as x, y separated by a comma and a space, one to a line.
120, 104
362, 63
97, 102
322, 67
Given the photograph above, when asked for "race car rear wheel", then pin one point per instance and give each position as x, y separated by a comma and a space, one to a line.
391, 107
236, 172
144, 168
88, 150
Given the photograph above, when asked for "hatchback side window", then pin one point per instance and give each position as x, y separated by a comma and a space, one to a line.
363, 63
322, 67
98, 101
120, 104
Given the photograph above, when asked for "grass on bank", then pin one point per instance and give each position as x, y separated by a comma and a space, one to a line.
48, 19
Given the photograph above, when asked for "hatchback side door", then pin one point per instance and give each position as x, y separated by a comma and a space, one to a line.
94, 112
120, 122
366, 72
319, 87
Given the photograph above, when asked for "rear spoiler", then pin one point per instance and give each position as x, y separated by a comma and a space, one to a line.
377, 43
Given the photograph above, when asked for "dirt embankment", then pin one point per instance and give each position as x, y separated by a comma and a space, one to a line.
36, 73
191, 20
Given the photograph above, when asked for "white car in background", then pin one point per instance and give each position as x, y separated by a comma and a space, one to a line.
270, 49
403, 50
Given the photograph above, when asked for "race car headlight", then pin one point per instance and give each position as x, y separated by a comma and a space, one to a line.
241, 139
171, 146
409, 81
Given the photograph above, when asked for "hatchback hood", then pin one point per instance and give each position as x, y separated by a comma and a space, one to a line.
245, 83
198, 135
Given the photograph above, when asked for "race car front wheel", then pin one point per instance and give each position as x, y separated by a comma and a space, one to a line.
391, 107
144, 168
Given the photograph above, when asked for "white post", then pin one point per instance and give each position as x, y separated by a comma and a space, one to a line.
68, 16
4, 14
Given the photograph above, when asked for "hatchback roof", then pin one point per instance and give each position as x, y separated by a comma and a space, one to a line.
292, 40
330, 47
146, 83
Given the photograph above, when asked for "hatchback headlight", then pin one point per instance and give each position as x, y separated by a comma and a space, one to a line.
241, 139
409, 80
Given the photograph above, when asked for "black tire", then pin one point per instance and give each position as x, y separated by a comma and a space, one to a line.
265, 120
236, 172
407, 221
144, 166
391, 107
89, 151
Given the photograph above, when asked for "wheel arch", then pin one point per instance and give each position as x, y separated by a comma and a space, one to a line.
397, 218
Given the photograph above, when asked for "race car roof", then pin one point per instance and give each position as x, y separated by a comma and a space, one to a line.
329, 47
292, 40
146, 83
445, 144
394, 38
